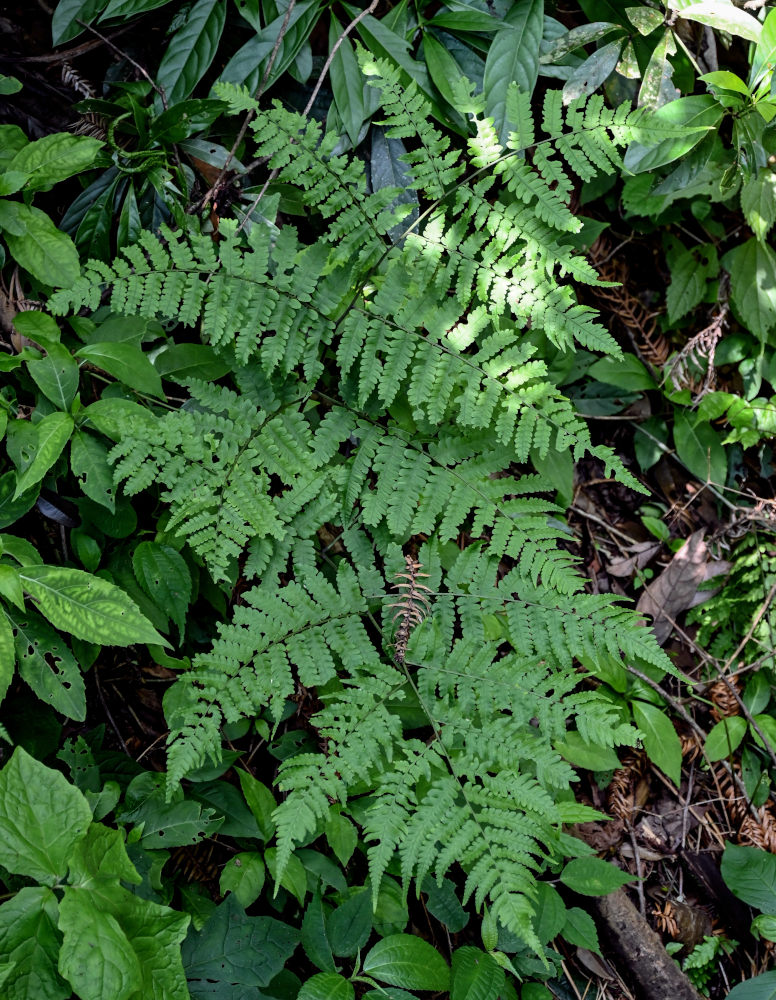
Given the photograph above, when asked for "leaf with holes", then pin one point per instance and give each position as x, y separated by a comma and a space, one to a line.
90, 466
47, 665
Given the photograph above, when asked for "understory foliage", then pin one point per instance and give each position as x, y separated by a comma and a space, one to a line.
389, 388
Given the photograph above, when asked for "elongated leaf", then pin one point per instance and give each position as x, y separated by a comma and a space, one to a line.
327, 986
657, 88
87, 606
752, 269
693, 117
47, 665
7, 654
192, 50
349, 926
52, 434
124, 9
758, 202
408, 962
64, 24
513, 57
347, 83
594, 71
576, 38
42, 818
661, 742
127, 363
476, 975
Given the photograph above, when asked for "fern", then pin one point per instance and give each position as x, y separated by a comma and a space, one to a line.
388, 391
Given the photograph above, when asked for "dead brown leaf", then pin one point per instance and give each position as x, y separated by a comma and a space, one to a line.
677, 587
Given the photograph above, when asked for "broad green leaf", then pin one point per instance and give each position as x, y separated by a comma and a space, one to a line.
766, 723
442, 66
164, 576
443, 903
349, 926
644, 19
464, 18
719, 14
314, 940
64, 24
750, 874
12, 139
692, 117
725, 737
699, 448
127, 363
192, 50
56, 375
180, 362
235, 948
690, 270
7, 654
11, 506
54, 158
626, 372
580, 930
42, 818
47, 665
513, 56
243, 874
173, 824
293, 877
752, 269
594, 71
326, 986
96, 956
758, 201
723, 79
40, 248
475, 975
576, 38
347, 82
593, 877
30, 940
90, 466
341, 835
758, 988
51, 435
87, 606
661, 742
549, 912
111, 416
101, 857
408, 962
37, 326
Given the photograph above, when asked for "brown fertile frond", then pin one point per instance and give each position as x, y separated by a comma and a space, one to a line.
412, 605
725, 702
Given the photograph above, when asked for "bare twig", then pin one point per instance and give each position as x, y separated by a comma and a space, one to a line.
120, 52
367, 10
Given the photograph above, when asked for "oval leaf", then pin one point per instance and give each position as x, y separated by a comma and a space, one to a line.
408, 962
725, 737
661, 742
593, 877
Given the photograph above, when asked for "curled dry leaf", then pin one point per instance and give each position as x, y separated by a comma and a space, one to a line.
678, 586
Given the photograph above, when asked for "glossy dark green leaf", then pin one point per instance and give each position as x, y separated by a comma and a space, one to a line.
192, 50
314, 939
93, 236
693, 116
347, 82
64, 24
124, 9
442, 902
513, 58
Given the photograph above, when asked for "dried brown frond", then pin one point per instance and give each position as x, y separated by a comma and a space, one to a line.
637, 320
693, 367
412, 605
724, 699
73, 79
691, 744
665, 919
627, 789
